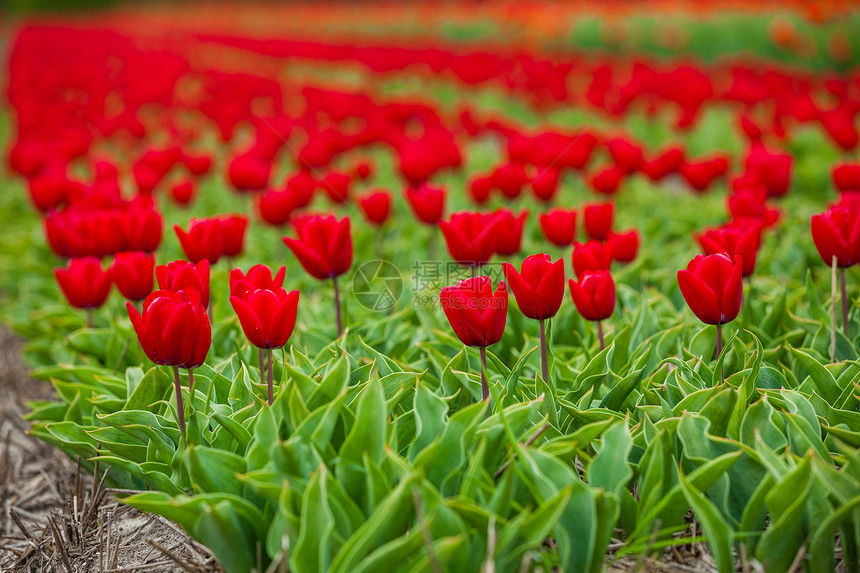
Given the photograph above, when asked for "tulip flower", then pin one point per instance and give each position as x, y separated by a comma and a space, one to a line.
174, 331
267, 318
258, 277
734, 240
203, 240
480, 189
142, 227
594, 297
545, 185
559, 226
624, 245
510, 241
324, 249
836, 234
427, 203
84, 284
132, 273
376, 207
608, 180
276, 207
712, 287
182, 275
510, 179
591, 256
477, 315
470, 237
539, 290
846, 176
233, 229
336, 186
597, 218
183, 192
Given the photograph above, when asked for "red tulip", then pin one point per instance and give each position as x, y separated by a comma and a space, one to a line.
608, 180
597, 218
276, 207
480, 189
559, 226
545, 185
84, 283
836, 233
267, 316
197, 164
428, 203
712, 287
323, 246
142, 228
302, 186
203, 240
183, 192
627, 155
591, 256
846, 176
594, 295
233, 234
376, 207
509, 241
250, 172
509, 179
624, 245
132, 273
736, 241
182, 275
666, 163
470, 237
336, 186
258, 277
700, 174
476, 313
539, 287
174, 329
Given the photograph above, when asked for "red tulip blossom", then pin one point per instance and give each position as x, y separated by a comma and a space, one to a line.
510, 179
336, 186
174, 329
712, 287
539, 287
182, 275
624, 245
142, 227
597, 218
276, 207
84, 283
323, 246
836, 233
132, 273
594, 295
510, 236
470, 237
846, 176
476, 313
376, 207
559, 226
257, 277
203, 240
267, 316
545, 185
480, 189
736, 240
183, 192
233, 229
607, 181
591, 256
428, 203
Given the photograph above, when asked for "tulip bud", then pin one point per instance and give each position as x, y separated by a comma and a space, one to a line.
174, 329
323, 246
559, 226
84, 283
594, 295
712, 287
132, 273
539, 287
476, 313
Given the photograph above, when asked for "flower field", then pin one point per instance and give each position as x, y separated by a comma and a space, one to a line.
447, 287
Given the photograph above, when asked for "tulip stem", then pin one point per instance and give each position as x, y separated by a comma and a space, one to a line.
337, 306
833, 309
720, 349
262, 364
180, 410
191, 383
90, 322
844, 301
485, 389
600, 335
544, 366
270, 377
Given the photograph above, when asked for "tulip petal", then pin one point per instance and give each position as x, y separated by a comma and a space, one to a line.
699, 296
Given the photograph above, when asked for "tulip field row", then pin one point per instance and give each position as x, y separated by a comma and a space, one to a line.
335, 304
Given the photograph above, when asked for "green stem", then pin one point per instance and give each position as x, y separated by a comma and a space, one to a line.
337, 307
270, 377
544, 365
485, 388
180, 409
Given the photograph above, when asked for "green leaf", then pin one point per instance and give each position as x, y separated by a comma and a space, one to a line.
717, 531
